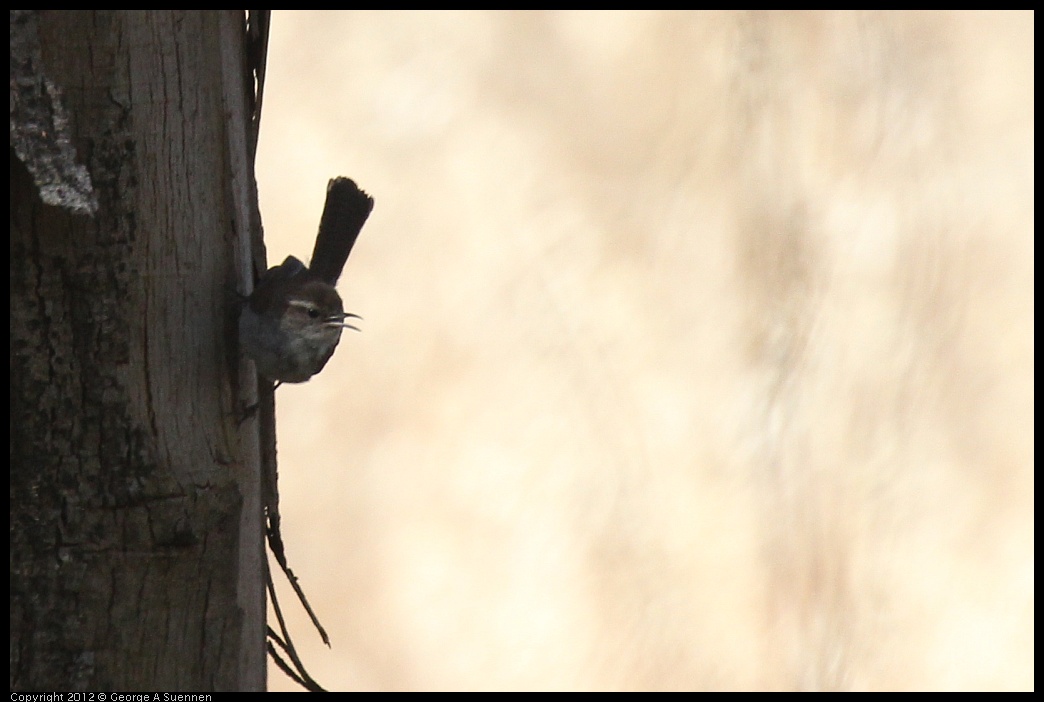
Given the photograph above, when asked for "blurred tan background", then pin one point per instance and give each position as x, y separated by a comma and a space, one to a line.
697, 352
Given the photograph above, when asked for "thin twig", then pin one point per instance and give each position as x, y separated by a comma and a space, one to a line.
286, 643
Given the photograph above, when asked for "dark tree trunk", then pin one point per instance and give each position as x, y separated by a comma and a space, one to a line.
136, 552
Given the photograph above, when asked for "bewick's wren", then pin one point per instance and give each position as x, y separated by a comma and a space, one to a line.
292, 322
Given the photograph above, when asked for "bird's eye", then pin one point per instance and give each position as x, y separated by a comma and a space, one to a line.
313, 313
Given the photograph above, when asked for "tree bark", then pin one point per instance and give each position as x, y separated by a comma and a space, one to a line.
136, 523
